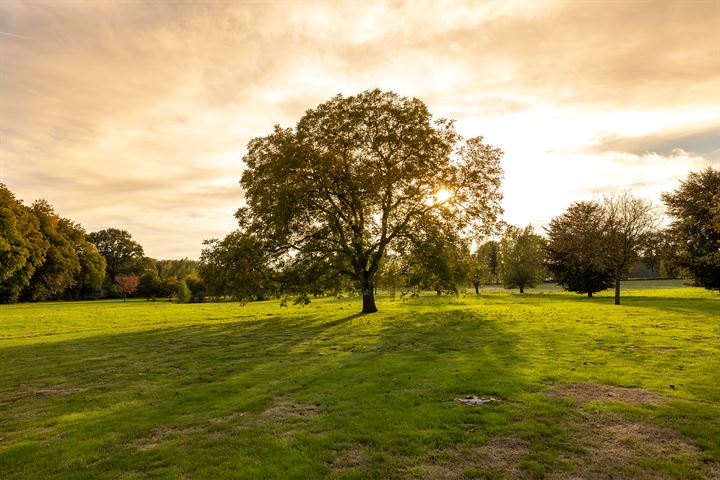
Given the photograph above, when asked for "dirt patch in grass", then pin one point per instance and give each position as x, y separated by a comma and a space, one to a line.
596, 392
348, 459
500, 457
713, 470
503, 454
160, 435
619, 447
56, 391
604, 446
285, 410
226, 418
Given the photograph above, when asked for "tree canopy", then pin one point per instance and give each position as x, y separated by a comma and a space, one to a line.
695, 209
628, 223
574, 250
23, 247
123, 256
359, 174
520, 258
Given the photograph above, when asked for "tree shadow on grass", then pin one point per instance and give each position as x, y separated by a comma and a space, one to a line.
287, 396
163, 400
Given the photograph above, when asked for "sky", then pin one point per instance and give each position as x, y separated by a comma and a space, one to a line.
136, 115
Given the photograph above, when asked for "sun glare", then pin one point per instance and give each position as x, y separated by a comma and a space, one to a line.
443, 196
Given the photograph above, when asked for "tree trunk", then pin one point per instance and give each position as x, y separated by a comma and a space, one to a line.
124, 297
589, 294
368, 293
477, 290
522, 290
617, 289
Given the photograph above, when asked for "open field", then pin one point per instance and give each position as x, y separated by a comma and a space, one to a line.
584, 389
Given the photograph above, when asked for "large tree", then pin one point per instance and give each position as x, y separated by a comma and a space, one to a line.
89, 279
628, 223
357, 175
695, 209
123, 256
574, 250
61, 267
520, 258
23, 247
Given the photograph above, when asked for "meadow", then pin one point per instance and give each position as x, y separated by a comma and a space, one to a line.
578, 387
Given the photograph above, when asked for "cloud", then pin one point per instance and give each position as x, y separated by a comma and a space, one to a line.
703, 141
137, 114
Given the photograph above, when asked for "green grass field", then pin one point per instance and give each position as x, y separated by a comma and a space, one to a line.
583, 388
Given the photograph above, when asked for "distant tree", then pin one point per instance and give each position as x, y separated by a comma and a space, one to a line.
149, 285
392, 274
520, 258
660, 254
61, 266
23, 246
89, 280
488, 253
127, 284
671, 264
236, 266
695, 209
196, 286
169, 287
628, 222
357, 175
574, 252
438, 260
179, 268
122, 254
477, 270
183, 293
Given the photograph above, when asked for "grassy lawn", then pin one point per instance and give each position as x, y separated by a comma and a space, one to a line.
584, 389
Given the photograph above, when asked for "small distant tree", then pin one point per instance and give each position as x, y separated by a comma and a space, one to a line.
123, 256
169, 287
391, 274
520, 258
127, 284
238, 266
575, 247
183, 293
179, 268
488, 253
695, 209
477, 271
626, 229
437, 260
150, 285
196, 286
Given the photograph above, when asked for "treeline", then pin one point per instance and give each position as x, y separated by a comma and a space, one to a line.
44, 256
589, 248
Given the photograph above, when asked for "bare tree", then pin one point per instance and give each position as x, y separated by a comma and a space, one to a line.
628, 223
